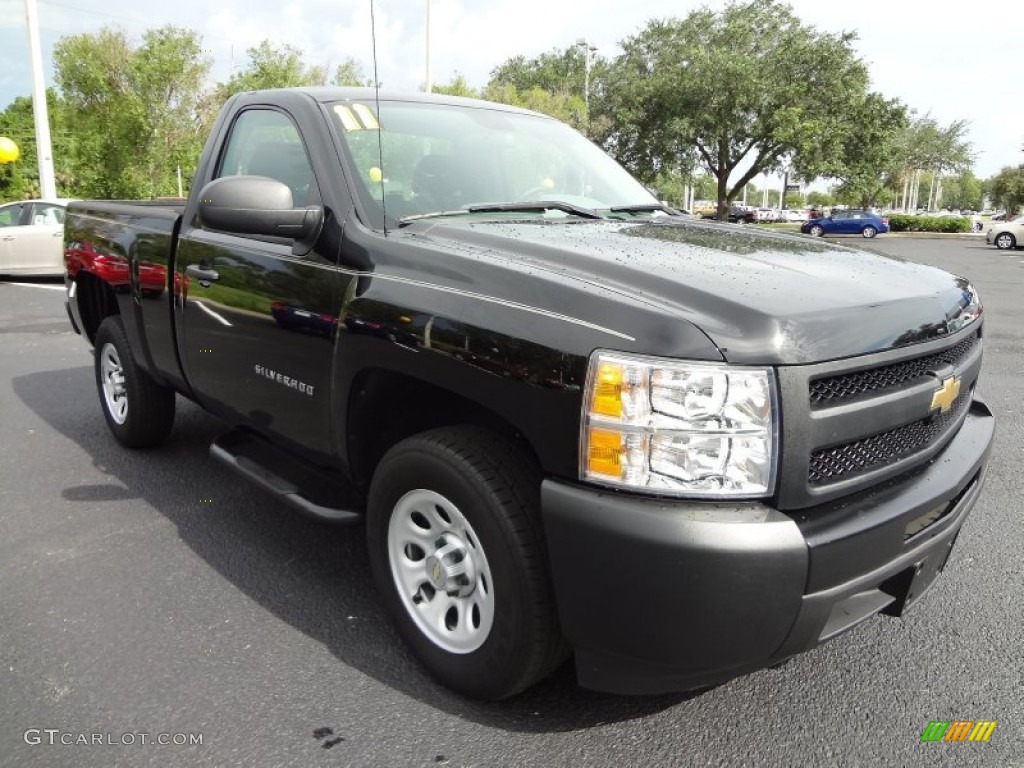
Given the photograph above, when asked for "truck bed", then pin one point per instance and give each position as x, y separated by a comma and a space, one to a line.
130, 246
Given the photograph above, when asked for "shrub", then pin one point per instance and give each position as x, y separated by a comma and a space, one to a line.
903, 223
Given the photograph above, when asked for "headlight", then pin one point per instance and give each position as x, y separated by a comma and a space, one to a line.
678, 428
965, 311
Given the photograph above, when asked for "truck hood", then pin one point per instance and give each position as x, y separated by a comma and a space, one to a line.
761, 297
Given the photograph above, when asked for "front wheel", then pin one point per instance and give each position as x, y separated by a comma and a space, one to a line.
458, 557
869, 232
1005, 241
817, 230
139, 412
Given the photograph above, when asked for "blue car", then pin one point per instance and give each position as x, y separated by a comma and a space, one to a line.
852, 221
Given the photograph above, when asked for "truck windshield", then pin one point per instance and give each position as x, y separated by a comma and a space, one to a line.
444, 158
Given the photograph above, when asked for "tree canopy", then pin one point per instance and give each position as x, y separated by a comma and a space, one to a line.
1007, 188
748, 87
135, 111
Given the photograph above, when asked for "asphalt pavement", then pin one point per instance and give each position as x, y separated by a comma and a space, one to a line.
154, 596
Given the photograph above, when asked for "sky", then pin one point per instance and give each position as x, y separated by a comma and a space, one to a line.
955, 61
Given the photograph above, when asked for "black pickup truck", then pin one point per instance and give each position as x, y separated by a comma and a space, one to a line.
571, 420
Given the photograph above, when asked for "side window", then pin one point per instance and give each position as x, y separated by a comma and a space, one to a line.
10, 214
265, 142
47, 214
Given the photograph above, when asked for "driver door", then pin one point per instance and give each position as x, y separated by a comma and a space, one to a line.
259, 322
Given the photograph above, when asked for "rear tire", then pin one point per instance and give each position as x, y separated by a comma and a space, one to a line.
1005, 241
139, 412
459, 559
869, 232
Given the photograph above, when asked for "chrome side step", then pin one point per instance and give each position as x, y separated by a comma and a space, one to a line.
249, 455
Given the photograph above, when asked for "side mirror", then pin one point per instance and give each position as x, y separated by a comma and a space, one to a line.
256, 205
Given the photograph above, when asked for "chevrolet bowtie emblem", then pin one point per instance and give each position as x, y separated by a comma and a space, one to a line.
944, 396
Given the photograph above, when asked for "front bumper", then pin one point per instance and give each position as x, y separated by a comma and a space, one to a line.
658, 595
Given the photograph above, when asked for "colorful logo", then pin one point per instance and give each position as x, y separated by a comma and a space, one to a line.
958, 730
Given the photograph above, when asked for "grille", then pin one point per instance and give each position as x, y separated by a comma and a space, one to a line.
830, 465
837, 389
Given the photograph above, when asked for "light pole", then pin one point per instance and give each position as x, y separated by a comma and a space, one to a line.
44, 151
588, 55
429, 85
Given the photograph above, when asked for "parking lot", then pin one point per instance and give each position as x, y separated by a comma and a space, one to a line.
155, 593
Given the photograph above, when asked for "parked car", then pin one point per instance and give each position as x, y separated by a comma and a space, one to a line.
850, 221
1006, 235
30, 237
794, 216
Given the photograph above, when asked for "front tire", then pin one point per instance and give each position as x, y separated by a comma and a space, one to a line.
817, 230
139, 412
1005, 241
869, 232
458, 557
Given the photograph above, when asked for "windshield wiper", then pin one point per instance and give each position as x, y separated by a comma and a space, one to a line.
646, 208
540, 205
432, 215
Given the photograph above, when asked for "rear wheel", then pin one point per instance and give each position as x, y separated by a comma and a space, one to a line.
1005, 241
457, 554
817, 230
139, 412
869, 232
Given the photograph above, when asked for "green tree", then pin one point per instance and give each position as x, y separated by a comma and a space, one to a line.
20, 180
280, 66
457, 87
553, 83
820, 199
743, 88
134, 113
350, 73
868, 160
963, 192
565, 106
930, 150
1007, 188
555, 71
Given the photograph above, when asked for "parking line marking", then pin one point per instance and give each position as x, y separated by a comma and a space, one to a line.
38, 285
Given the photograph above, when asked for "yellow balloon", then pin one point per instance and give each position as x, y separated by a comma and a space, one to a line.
375, 174
8, 150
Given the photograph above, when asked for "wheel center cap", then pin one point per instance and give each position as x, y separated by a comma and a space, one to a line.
450, 568
436, 572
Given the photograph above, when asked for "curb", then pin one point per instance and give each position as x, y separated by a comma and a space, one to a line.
938, 235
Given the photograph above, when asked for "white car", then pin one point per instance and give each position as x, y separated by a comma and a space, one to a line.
788, 214
31, 237
1006, 235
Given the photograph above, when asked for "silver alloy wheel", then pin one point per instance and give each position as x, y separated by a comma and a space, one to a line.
817, 230
112, 376
440, 571
1004, 241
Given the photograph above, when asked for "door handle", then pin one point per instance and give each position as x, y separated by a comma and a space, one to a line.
202, 274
